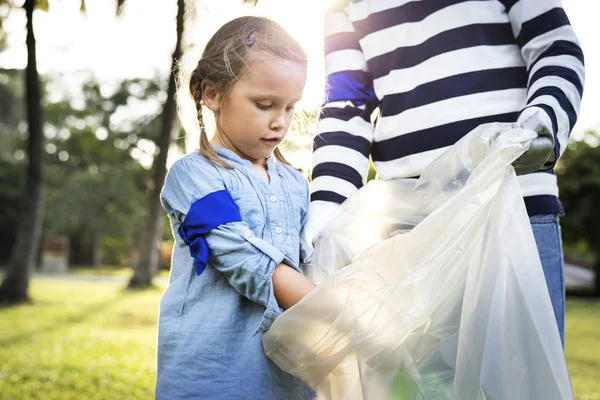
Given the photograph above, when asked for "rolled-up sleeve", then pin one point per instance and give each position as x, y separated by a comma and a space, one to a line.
248, 263
246, 260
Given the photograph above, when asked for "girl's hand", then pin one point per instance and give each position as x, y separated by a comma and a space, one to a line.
290, 286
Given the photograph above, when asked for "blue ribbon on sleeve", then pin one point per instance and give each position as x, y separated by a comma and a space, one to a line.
205, 214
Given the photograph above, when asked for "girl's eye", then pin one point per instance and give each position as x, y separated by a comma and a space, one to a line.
290, 108
263, 106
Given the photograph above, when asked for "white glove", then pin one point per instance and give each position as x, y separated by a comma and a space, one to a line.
541, 152
320, 213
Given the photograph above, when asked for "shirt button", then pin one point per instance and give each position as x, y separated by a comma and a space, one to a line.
248, 233
273, 199
278, 230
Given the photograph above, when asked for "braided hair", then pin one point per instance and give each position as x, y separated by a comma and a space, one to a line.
223, 62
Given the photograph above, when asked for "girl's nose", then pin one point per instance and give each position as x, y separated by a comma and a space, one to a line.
278, 122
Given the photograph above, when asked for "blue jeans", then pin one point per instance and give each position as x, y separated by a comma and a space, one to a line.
546, 231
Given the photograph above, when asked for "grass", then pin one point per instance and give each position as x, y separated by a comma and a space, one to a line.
583, 348
79, 340
93, 340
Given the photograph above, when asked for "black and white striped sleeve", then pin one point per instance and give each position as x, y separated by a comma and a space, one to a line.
554, 61
342, 144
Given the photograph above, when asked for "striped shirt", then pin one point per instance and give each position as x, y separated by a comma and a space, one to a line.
434, 70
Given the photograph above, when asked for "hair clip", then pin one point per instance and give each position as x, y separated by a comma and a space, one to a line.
251, 38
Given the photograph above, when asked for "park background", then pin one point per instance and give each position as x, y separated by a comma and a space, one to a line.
88, 127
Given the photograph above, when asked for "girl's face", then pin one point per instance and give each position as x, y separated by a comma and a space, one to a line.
256, 114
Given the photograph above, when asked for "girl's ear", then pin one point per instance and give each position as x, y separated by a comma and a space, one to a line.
210, 95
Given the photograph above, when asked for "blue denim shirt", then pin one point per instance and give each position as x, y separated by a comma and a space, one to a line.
209, 342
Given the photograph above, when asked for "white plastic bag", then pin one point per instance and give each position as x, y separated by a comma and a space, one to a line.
430, 289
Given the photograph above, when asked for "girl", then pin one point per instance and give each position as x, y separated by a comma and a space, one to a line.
237, 210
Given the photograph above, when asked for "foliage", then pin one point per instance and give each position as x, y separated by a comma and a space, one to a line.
12, 93
96, 185
96, 137
105, 201
12, 143
5, 7
579, 183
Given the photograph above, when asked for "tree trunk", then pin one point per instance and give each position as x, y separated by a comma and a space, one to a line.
97, 250
147, 266
24, 254
597, 280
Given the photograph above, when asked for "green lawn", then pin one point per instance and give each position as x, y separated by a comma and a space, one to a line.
83, 340
79, 340
583, 348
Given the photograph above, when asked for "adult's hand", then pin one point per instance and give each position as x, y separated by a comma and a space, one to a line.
541, 152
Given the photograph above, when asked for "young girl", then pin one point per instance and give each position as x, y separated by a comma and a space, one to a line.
237, 210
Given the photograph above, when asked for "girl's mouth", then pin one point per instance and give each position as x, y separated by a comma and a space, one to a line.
272, 141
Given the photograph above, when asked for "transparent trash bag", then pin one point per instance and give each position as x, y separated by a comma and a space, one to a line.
430, 289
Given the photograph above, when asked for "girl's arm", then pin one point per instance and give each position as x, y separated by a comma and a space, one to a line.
247, 261
290, 286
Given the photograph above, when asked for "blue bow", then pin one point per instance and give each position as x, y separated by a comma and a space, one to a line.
206, 214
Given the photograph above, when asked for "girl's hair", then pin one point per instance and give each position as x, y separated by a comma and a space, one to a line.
223, 63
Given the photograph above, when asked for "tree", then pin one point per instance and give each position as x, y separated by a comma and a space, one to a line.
105, 203
96, 186
579, 183
4, 10
15, 285
14, 288
147, 265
